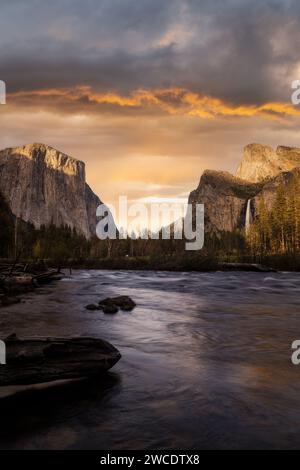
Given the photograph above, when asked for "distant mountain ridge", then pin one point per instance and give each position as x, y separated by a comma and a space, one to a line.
43, 185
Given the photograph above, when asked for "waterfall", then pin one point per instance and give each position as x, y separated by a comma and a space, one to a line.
248, 216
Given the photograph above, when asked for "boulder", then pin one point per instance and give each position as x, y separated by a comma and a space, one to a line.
124, 302
112, 304
110, 309
92, 307
38, 360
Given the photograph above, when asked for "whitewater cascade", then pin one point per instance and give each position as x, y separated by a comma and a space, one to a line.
248, 216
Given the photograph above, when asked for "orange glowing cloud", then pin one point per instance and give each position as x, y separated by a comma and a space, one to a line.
169, 100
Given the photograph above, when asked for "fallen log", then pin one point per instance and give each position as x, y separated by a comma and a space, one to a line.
24, 279
245, 267
48, 276
19, 280
39, 360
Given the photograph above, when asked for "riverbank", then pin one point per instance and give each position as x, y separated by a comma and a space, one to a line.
186, 262
189, 261
19, 278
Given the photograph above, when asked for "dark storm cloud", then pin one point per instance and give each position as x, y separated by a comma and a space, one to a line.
252, 52
240, 51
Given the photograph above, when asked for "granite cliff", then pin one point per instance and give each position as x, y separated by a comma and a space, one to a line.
261, 162
227, 197
43, 185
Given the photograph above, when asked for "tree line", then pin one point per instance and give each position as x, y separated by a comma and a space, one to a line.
273, 237
276, 231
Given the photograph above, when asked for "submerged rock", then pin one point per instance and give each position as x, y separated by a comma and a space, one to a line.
92, 307
124, 302
110, 309
112, 304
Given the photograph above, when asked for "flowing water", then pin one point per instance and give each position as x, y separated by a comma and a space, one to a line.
248, 216
206, 363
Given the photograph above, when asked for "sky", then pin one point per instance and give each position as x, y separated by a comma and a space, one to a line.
149, 93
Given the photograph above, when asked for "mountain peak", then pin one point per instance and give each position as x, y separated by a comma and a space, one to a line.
43, 185
48, 156
261, 162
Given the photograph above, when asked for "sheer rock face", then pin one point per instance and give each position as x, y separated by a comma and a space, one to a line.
269, 190
261, 172
261, 162
91, 203
44, 186
225, 200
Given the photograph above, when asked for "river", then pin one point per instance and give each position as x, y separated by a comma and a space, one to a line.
206, 363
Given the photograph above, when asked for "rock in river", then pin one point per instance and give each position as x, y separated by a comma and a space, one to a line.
110, 309
92, 307
38, 360
112, 304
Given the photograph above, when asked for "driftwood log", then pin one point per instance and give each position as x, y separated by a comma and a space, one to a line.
33, 361
245, 267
